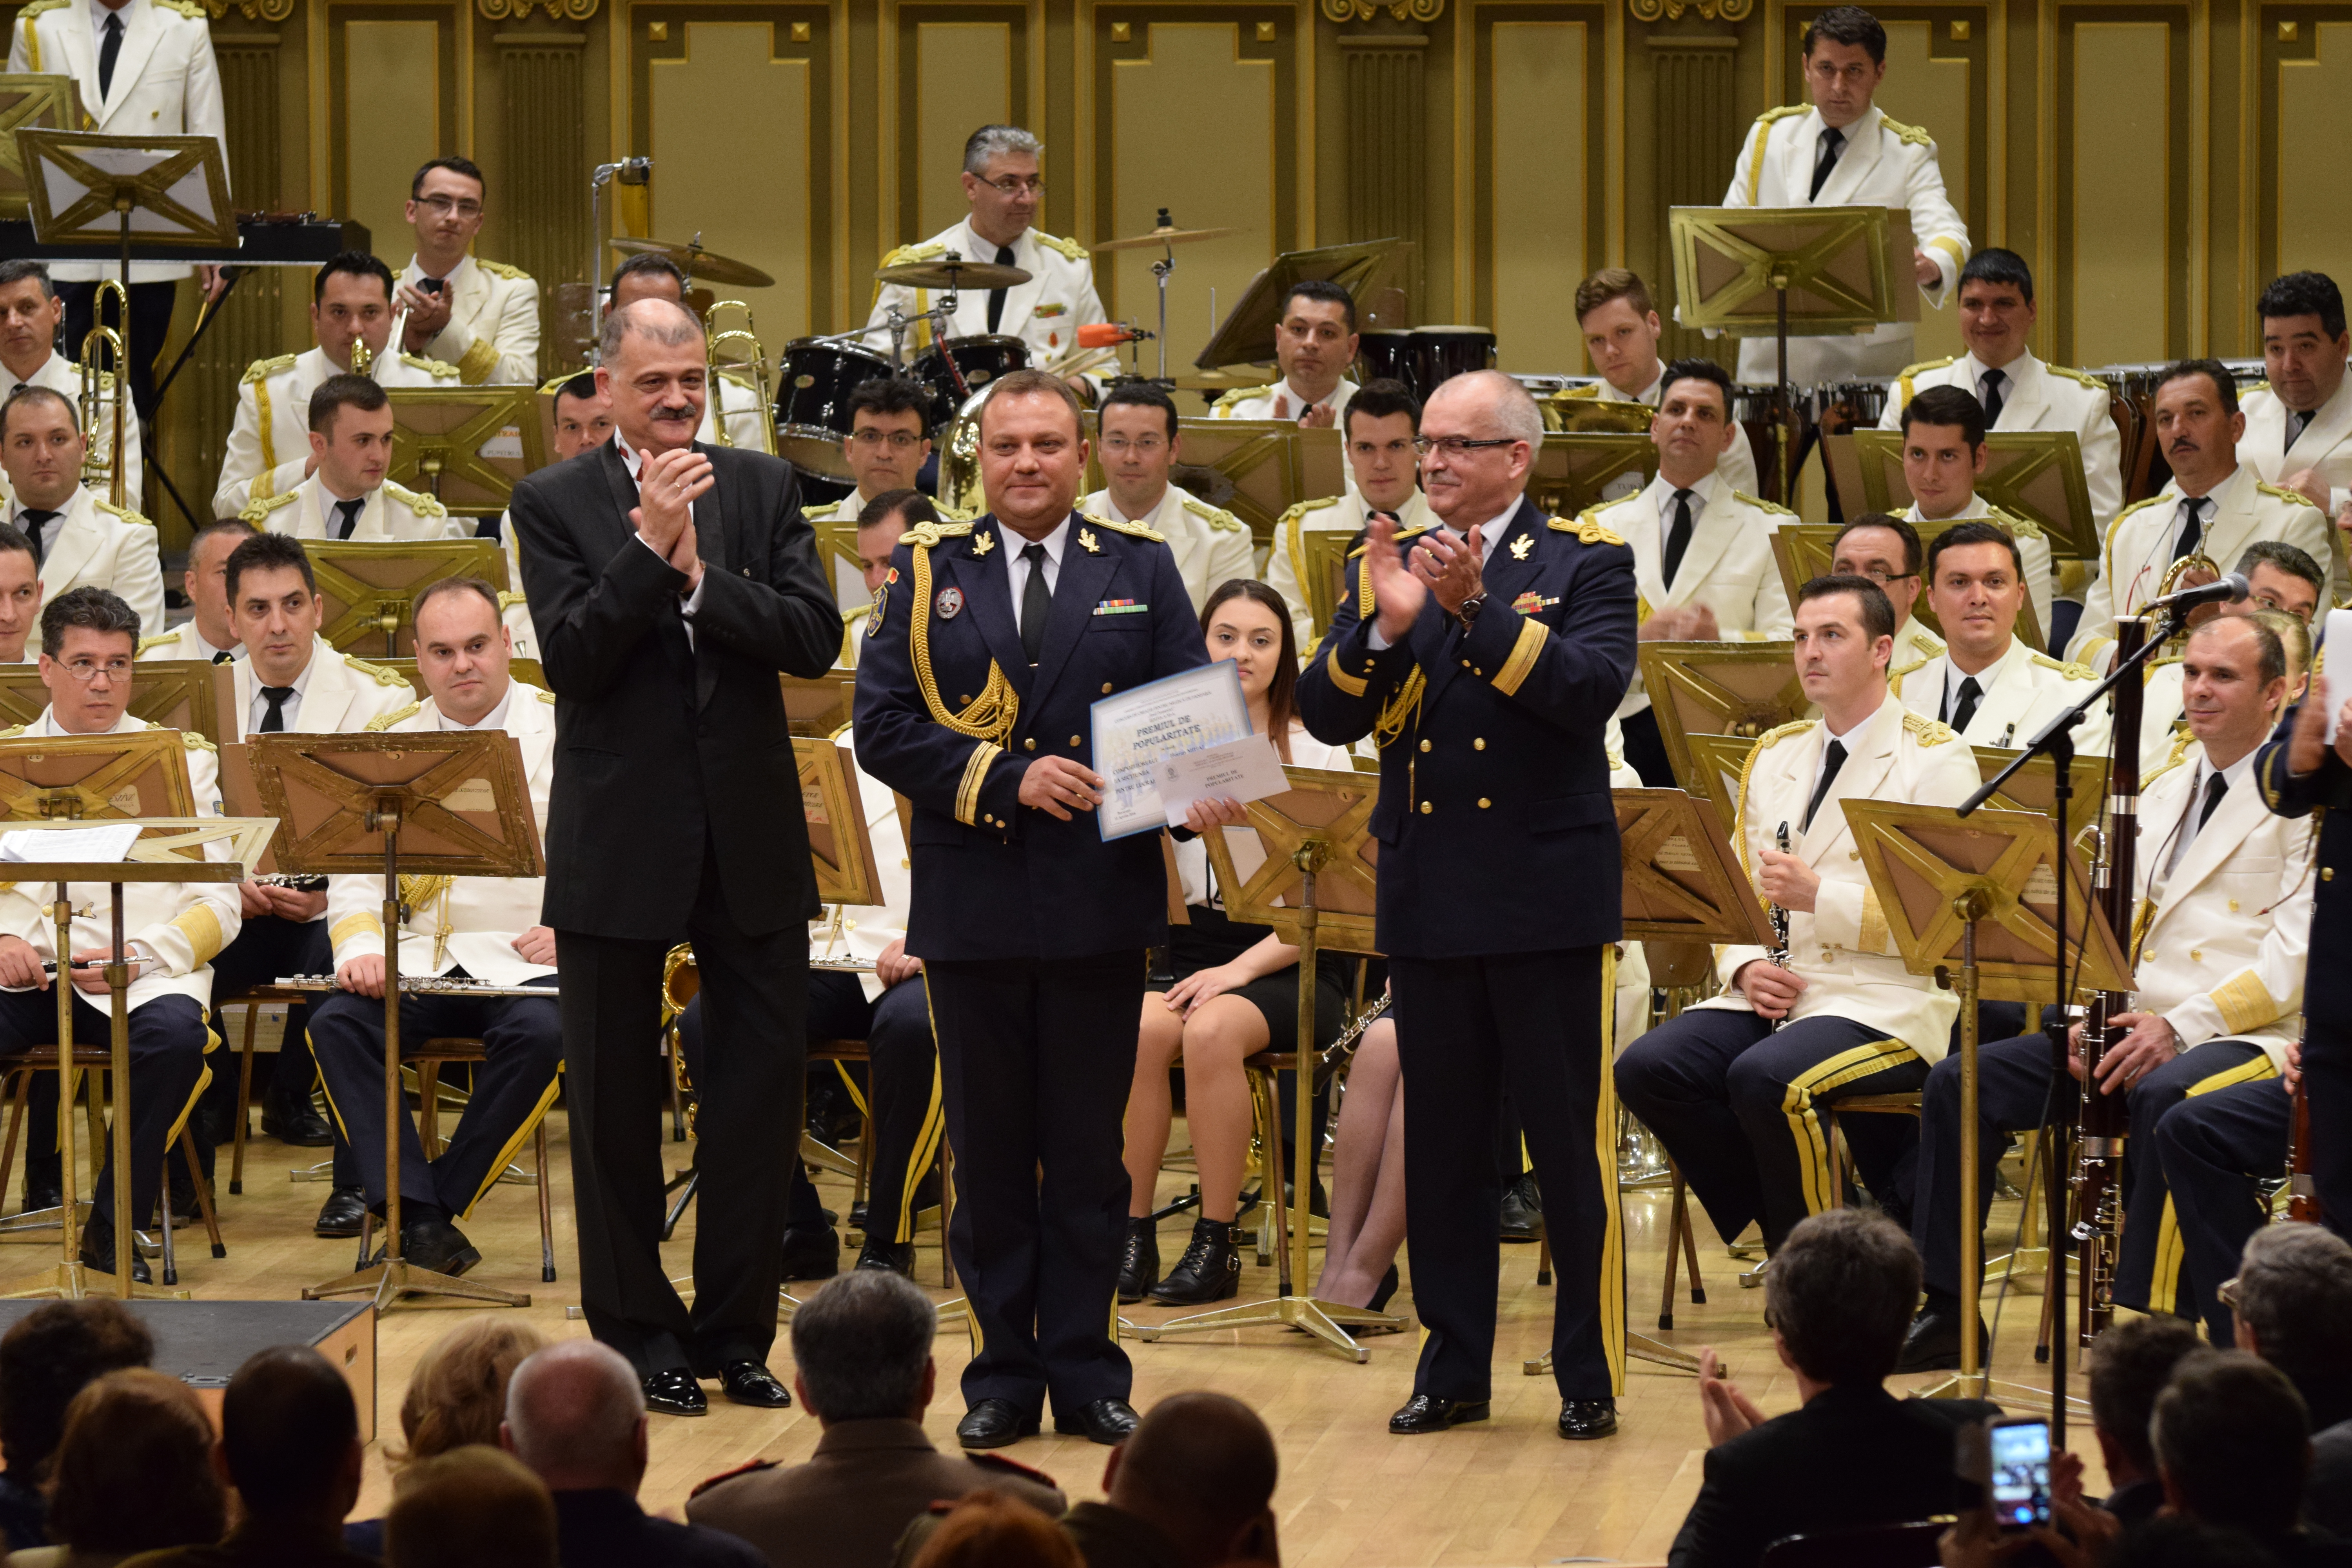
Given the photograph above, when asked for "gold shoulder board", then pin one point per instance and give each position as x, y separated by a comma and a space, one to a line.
1928, 731
509, 599
191, 741
1771, 738
386, 721
1911, 133
1134, 529
2246, 392
1071, 250
429, 366
2181, 741
1219, 520
125, 512
258, 512
1761, 504
2019, 527
2071, 671
1239, 394
922, 252
1915, 664
158, 641
1586, 530
924, 535
1923, 367
545, 696
260, 369
1302, 508
501, 269
14, 729
2279, 492
2091, 381
192, 11
422, 505
381, 675
1772, 116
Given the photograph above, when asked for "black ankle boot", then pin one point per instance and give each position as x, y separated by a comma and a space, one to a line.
1139, 1268
1210, 1271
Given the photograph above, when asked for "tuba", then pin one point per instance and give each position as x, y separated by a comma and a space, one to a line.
736, 356
105, 471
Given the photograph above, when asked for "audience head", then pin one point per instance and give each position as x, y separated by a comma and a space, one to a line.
583, 415
862, 1348
1845, 60
1199, 1468
887, 442
457, 1395
2233, 1441
881, 525
2198, 424
2294, 1300
351, 302
1000, 181
1033, 451
135, 1472
1621, 329
351, 434
2303, 340
1886, 550
1943, 450
41, 447
463, 647
290, 1437
652, 371
645, 276
1380, 422
1997, 312
1315, 340
1467, 486
472, 1507
989, 1530
576, 1415
47, 1358
273, 605
1840, 1292
1846, 636
90, 647
2130, 1365
20, 594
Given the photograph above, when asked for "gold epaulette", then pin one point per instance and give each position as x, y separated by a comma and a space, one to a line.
2279, 492
191, 741
857, 614
1071, 250
1136, 530
124, 512
422, 505
924, 535
1909, 370
1224, 520
1302, 508
1403, 534
2181, 741
1586, 530
191, 9
2090, 381
558, 384
1773, 116
156, 641
1761, 505
1911, 133
257, 511
922, 252
386, 721
12, 731
260, 369
546, 696
2246, 392
509, 599
1929, 732
2071, 671
2019, 527
429, 366
512, 274
381, 674
1239, 394
1895, 677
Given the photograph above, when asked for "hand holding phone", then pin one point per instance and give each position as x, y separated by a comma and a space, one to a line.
2020, 1475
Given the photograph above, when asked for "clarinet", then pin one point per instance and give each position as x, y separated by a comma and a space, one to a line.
2099, 1149
1779, 954
2303, 1197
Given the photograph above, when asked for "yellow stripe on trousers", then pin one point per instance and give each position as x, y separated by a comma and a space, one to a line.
1805, 1123
972, 1317
2164, 1284
1604, 1155
918, 1159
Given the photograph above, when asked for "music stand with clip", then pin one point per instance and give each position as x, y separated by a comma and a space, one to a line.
465, 447
172, 693
368, 586
87, 189
1316, 885
446, 804
1575, 466
1739, 688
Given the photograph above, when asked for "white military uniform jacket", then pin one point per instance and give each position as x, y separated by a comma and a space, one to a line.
2036, 396
1209, 546
391, 511
1912, 642
1727, 565
339, 694
1257, 403
2222, 953
1045, 312
1842, 949
493, 331
2325, 444
454, 921
63, 376
182, 924
2139, 542
1884, 164
270, 443
166, 83
1738, 463
2022, 692
184, 641
101, 545
2032, 550
514, 614
863, 930
1285, 564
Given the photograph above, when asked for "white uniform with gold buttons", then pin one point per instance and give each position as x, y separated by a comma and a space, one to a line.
493, 331
388, 512
2018, 693
2324, 442
1045, 312
1209, 546
96, 544
1286, 564
339, 694
269, 442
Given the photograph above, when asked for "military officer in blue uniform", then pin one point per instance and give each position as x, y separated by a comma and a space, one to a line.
1488, 655
983, 654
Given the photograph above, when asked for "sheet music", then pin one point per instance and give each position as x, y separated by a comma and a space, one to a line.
54, 845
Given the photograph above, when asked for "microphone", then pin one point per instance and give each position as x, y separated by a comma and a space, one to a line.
2227, 590
1108, 335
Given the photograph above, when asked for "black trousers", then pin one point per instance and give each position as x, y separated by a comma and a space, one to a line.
2327, 1086
168, 1038
1645, 749
754, 998
151, 323
1469, 1031
1736, 1103
1036, 1057
2215, 1149
524, 1039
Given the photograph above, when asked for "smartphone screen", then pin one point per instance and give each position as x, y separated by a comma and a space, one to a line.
2021, 1474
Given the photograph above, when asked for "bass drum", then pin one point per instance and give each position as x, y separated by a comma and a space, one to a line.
1440, 353
980, 360
1384, 354
813, 391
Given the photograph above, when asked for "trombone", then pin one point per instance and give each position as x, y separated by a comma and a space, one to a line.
107, 469
737, 355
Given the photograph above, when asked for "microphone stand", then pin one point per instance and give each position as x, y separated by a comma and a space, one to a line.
2055, 740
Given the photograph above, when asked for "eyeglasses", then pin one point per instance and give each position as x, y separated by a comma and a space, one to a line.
900, 441
1882, 576
442, 206
1142, 446
86, 670
1456, 447
1013, 185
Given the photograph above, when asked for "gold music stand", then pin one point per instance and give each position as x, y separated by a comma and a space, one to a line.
1978, 895
368, 586
1325, 581
1804, 546
1315, 881
1804, 550
1574, 468
444, 804
1716, 761
2031, 787
1366, 268
1272, 464
2033, 474
1739, 688
465, 447
31, 102
87, 189
817, 706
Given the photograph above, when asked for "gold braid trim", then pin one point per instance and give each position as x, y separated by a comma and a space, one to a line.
993, 714
1398, 715
975, 773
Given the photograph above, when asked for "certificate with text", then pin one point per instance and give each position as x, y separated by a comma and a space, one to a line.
1135, 729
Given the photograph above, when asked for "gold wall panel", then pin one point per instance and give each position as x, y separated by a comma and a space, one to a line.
2313, 139
2121, 217
392, 106
963, 77
1538, 234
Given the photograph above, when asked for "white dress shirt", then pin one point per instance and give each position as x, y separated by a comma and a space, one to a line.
2238, 775
259, 708
496, 719
687, 604
45, 536
1013, 544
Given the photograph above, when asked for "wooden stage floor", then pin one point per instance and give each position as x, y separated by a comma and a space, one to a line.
1509, 1491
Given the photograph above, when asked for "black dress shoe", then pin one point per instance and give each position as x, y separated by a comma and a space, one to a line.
1583, 1418
994, 1424
97, 1250
1104, 1421
297, 1124
1210, 1271
341, 1212
1435, 1413
1138, 1264
44, 1192
1522, 1209
675, 1393
1387, 1288
812, 1254
749, 1383
431, 1242
1934, 1342
898, 1257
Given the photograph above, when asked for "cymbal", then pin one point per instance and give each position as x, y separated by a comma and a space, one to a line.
704, 266
941, 273
1164, 234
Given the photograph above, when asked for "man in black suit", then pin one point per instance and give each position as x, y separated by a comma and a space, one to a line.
669, 583
1839, 1298
1487, 655
990, 643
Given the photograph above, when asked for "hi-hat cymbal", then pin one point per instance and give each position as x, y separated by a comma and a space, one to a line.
1164, 234
944, 273
705, 266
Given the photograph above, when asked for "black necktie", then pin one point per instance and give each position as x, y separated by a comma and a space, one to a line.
2295, 425
1967, 707
1678, 536
1992, 398
1832, 139
1832, 761
2192, 524
349, 512
996, 296
222, 657
109, 52
2215, 788
274, 721
1036, 602
32, 520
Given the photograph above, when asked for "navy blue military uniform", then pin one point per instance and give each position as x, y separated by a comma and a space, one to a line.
2328, 982
2216, 1150
1498, 893
1033, 931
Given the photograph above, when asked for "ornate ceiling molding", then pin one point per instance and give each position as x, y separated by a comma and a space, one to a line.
1345, 11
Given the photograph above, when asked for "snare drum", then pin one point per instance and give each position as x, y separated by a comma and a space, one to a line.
980, 359
812, 402
1440, 353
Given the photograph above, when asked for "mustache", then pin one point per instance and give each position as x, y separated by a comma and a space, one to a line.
675, 411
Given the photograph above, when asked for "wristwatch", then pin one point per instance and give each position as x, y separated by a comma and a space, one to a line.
1469, 610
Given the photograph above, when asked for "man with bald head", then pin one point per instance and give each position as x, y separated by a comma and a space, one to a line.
1488, 655
669, 583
